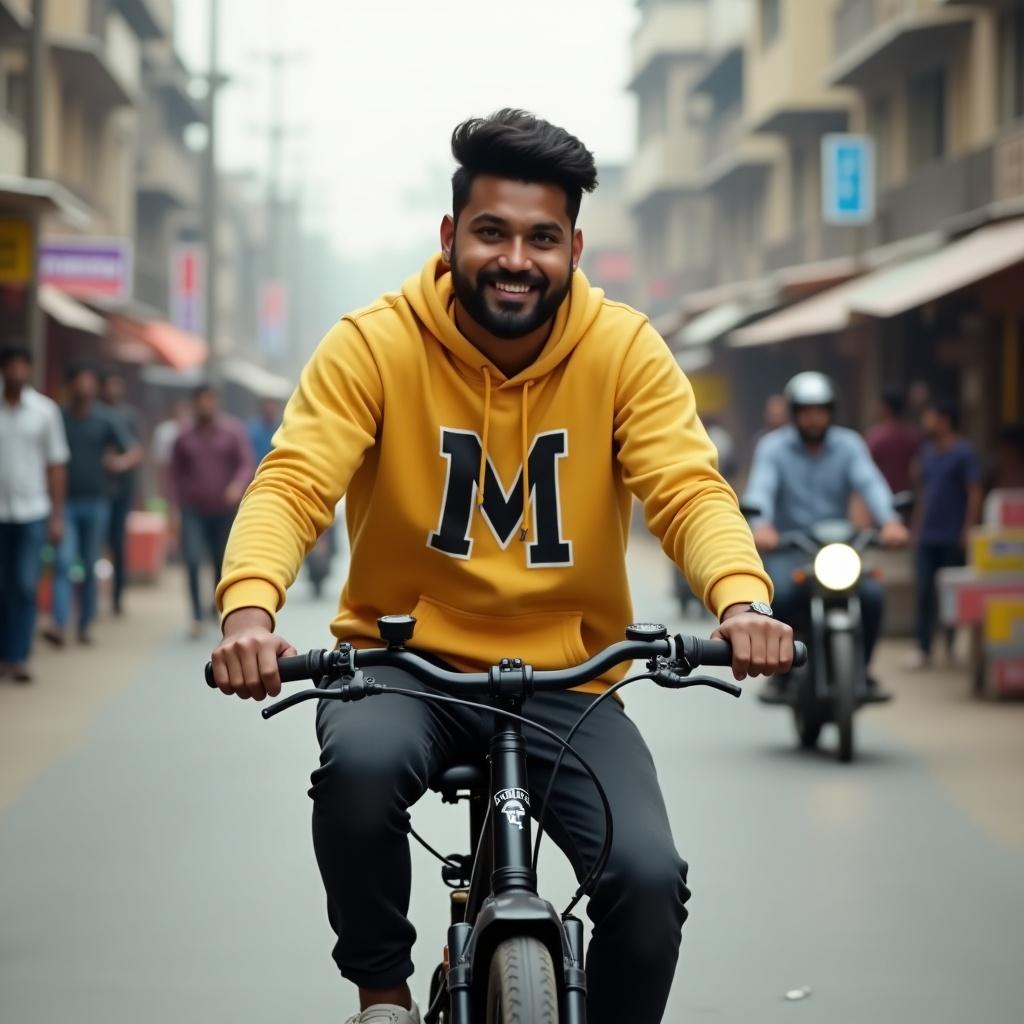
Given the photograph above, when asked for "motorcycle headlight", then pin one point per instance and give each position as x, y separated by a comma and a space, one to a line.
837, 566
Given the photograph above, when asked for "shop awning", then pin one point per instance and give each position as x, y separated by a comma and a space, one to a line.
256, 379
133, 339
712, 325
964, 262
69, 313
43, 196
824, 313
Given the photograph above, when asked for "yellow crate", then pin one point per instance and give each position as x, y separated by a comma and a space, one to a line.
997, 550
1004, 620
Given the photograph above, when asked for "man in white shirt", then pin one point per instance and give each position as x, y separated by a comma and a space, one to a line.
33, 457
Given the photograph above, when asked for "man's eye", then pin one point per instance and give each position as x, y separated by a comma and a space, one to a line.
489, 233
545, 239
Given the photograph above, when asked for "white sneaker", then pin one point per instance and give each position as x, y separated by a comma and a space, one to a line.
386, 1013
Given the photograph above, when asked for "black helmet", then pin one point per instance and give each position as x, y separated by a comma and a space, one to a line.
810, 388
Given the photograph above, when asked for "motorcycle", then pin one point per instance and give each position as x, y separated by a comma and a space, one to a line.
833, 685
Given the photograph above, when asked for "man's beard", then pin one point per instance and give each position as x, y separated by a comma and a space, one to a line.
812, 436
511, 322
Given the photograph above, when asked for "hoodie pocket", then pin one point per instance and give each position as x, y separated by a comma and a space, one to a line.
547, 639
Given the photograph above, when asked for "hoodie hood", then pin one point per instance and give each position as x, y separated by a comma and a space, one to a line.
432, 296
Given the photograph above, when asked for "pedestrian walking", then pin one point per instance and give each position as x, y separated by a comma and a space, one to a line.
893, 442
948, 505
98, 445
121, 484
211, 465
33, 461
262, 426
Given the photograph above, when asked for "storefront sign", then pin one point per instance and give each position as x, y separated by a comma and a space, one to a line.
15, 251
188, 281
88, 267
848, 179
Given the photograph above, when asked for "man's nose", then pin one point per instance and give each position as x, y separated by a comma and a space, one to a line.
515, 257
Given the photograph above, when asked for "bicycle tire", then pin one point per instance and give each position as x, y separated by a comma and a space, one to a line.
521, 985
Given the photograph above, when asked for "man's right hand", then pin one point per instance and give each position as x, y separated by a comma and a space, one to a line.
245, 661
766, 537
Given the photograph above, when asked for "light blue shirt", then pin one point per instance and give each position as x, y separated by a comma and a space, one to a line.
794, 488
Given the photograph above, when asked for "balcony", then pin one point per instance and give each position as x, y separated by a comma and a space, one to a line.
662, 165
169, 78
937, 195
14, 17
149, 19
667, 31
169, 173
733, 154
882, 39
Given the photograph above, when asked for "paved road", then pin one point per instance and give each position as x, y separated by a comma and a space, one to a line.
159, 869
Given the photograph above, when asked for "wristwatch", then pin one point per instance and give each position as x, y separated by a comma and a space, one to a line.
761, 608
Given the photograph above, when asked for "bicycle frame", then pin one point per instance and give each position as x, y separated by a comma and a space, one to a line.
509, 905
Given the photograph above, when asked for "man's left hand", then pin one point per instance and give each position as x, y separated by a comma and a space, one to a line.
761, 645
894, 534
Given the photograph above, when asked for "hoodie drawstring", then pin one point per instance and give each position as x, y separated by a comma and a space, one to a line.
482, 477
526, 464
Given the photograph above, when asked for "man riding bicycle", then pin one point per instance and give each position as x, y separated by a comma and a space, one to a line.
489, 425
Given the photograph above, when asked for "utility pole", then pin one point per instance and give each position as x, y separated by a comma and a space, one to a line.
277, 238
34, 325
211, 212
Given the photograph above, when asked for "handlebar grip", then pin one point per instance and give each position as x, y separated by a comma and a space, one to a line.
719, 652
293, 669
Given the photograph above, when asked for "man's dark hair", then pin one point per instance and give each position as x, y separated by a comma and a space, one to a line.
894, 400
78, 368
948, 410
203, 389
110, 373
516, 144
9, 353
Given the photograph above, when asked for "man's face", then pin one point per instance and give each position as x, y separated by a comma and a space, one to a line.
776, 412
206, 404
813, 421
113, 390
512, 254
84, 386
17, 371
270, 411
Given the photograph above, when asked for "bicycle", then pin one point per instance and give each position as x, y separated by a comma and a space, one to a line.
504, 940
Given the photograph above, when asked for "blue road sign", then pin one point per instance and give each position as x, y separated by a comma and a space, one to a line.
847, 179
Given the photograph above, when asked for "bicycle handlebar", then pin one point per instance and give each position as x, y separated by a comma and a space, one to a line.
679, 654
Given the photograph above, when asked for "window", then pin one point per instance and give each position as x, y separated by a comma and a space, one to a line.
927, 118
771, 21
1011, 65
880, 129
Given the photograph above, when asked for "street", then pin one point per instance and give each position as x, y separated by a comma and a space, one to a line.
157, 863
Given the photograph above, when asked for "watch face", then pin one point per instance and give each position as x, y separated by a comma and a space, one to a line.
761, 608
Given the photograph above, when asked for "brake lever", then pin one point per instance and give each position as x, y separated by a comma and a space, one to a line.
674, 681
357, 689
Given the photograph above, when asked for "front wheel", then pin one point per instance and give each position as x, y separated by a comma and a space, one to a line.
521, 987
843, 668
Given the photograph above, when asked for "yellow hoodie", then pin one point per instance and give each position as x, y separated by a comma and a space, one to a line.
428, 440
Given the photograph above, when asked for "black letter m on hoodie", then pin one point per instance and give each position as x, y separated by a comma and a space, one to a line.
503, 510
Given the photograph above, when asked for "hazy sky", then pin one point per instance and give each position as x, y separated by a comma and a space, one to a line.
377, 86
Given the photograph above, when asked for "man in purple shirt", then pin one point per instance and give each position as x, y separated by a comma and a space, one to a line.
894, 443
211, 466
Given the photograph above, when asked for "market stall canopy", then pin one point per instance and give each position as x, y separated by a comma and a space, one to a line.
134, 339
69, 313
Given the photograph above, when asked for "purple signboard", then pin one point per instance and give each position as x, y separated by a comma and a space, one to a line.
88, 267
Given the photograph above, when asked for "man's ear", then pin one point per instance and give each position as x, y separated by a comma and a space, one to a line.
447, 237
577, 248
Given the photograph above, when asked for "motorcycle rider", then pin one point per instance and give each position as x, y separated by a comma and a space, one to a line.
490, 424
803, 474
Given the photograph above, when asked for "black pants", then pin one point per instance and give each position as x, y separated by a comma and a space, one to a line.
117, 526
202, 533
930, 559
377, 757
